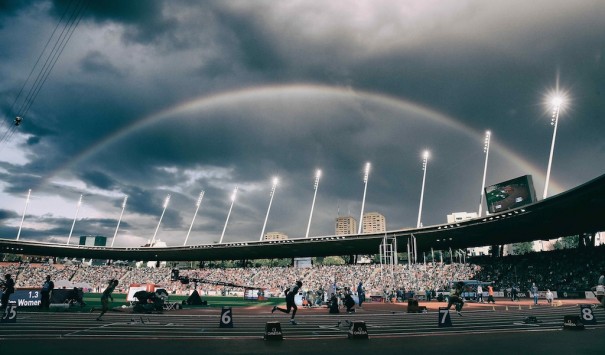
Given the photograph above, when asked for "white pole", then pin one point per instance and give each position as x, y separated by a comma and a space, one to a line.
486, 151
197, 207
262, 233
74, 223
553, 122
409, 256
119, 220
228, 214
160, 221
363, 201
415, 249
23, 216
425, 159
315, 187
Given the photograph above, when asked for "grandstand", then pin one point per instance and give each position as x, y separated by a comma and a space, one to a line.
578, 211
570, 271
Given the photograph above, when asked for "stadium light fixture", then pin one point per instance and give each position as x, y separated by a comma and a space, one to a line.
197, 208
273, 187
556, 103
425, 161
363, 201
166, 201
76, 217
233, 196
315, 187
486, 144
24, 210
119, 220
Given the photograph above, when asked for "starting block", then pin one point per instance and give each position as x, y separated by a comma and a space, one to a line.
358, 330
572, 323
273, 331
59, 306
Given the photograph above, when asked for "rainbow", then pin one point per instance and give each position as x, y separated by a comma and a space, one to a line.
270, 92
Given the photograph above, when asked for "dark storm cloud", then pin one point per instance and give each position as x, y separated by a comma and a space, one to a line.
96, 62
144, 20
256, 50
13, 7
6, 214
98, 179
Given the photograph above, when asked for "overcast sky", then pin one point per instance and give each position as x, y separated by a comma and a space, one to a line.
151, 98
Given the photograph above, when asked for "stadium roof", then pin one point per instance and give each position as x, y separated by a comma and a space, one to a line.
576, 211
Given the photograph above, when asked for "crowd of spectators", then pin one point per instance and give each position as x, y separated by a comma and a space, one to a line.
558, 270
561, 270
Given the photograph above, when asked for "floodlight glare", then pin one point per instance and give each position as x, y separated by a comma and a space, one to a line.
557, 101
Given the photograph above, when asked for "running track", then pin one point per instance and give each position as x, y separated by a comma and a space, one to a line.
482, 328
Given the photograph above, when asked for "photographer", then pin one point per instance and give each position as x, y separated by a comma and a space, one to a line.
47, 287
8, 288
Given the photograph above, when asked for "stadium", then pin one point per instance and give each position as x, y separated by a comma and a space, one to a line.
412, 293
201, 121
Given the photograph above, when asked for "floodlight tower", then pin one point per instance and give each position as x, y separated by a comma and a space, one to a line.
166, 201
363, 201
228, 214
273, 187
197, 207
557, 101
315, 187
425, 161
76, 217
486, 143
119, 220
25, 209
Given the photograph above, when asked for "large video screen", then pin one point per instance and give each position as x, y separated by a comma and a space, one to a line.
510, 194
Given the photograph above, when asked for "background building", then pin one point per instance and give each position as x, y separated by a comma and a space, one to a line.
346, 225
374, 222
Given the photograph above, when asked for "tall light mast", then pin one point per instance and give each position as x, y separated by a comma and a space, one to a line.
24, 210
486, 143
166, 201
228, 214
315, 187
76, 217
197, 207
363, 201
119, 220
273, 187
554, 121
